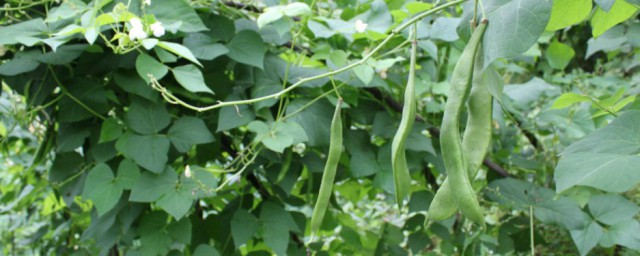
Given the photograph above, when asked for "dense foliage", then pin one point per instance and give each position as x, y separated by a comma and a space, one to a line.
202, 127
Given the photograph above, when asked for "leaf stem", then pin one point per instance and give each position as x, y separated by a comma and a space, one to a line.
174, 100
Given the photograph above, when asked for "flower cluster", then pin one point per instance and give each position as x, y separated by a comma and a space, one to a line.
137, 31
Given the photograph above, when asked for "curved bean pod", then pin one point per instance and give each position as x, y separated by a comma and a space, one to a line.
401, 176
450, 141
329, 174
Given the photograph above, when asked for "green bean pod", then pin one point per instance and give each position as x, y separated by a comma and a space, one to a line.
329, 174
450, 141
475, 141
401, 175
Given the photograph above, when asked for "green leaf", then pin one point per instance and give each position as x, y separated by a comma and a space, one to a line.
181, 231
205, 250
204, 46
605, 4
568, 99
278, 136
444, 28
128, 174
110, 130
243, 227
179, 50
363, 158
315, 120
174, 11
514, 26
188, 131
11, 34
587, 238
132, 83
22, 62
612, 209
276, 226
177, 201
65, 166
71, 136
90, 92
565, 13
270, 15
234, 116
601, 21
521, 195
247, 48
364, 73
151, 186
559, 55
100, 187
145, 117
296, 9
63, 55
148, 151
622, 136
190, 77
66, 10
606, 171
624, 233
147, 65
165, 56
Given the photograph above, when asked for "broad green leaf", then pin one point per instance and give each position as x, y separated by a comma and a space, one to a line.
63, 55
234, 116
205, 250
612, 209
204, 46
181, 231
111, 129
270, 15
416, 7
177, 11
624, 233
568, 99
271, 139
243, 227
444, 28
132, 83
565, 13
165, 56
71, 136
587, 238
177, 201
276, 224
190, 77
188, 131
601, 21
622, 136
100, 187
296, 9
156, 243
521, 195
128, 174
605, 4
66, 10
606, 171
145, 117
364, 73
92, 95
179, 50
559, 55
363, 158
514, 26
148, 151
247, 48
151, 186
64, 166
33, 27
22, 62
147, 65
315, 120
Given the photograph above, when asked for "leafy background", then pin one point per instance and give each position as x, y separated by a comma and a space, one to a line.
97, 161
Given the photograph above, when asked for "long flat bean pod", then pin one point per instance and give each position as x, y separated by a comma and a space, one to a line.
329, 174
475, 141
450, 140
401, 176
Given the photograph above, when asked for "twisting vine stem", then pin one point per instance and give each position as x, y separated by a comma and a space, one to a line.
167, 95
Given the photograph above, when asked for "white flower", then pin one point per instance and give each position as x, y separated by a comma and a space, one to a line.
187, 172
361, 26
299, 148
147, 2
135, 23
158, 29
137, 33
